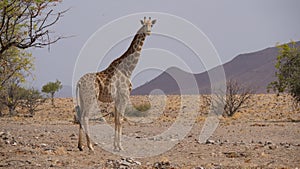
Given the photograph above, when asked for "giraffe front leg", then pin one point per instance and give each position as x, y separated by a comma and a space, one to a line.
120, 134
120, 106
118, 131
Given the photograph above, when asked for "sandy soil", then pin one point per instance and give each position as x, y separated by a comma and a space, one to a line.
265, 135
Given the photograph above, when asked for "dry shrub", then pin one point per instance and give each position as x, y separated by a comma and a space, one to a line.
237, 96
137, 110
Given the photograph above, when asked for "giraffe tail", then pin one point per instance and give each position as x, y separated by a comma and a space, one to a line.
77, 107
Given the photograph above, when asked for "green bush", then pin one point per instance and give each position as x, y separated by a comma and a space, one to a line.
288, 71
51, 88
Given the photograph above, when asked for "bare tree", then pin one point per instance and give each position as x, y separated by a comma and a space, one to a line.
24, 24
237, 97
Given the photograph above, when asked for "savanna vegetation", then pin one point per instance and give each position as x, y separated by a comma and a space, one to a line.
23, 25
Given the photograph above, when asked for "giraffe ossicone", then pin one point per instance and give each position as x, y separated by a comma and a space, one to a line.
110, 85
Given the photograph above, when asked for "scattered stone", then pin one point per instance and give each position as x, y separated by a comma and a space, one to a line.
210, 142
124, 163
1, 133
43, 145
49, 149
155, 138
285, 145
234, 154
199, 167
129, 161
268, 143
7, 138
162, 165
73, 135
272, 147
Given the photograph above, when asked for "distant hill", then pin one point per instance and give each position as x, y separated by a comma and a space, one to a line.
255, 69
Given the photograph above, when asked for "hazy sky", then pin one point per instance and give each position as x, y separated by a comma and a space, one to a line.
233, 27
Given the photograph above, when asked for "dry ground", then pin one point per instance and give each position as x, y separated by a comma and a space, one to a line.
266, 135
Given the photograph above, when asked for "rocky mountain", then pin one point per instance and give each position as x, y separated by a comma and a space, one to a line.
255, 69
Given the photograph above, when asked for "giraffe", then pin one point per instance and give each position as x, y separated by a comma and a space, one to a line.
111, 85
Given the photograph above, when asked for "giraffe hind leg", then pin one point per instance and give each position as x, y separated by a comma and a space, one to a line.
80, 147
87, 133
116, 129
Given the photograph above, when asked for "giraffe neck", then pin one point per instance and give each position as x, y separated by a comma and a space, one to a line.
128, 61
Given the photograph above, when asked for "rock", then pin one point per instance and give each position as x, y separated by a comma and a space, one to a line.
124, 163
7, 138
1, 133
129, 162
43, 145
210, 142
233, 154
72, 135
199, 167
287, 145
162, 165
272, 147
268, 143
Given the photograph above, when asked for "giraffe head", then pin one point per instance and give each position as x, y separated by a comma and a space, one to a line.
147, 25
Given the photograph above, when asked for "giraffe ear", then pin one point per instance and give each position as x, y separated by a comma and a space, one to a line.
142, 22
154, 21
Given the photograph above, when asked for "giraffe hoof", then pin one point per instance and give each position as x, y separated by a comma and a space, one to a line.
92, 151
118, 149
91, 148
121, 148
80, 148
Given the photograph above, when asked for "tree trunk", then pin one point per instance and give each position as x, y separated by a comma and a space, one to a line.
52, 99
